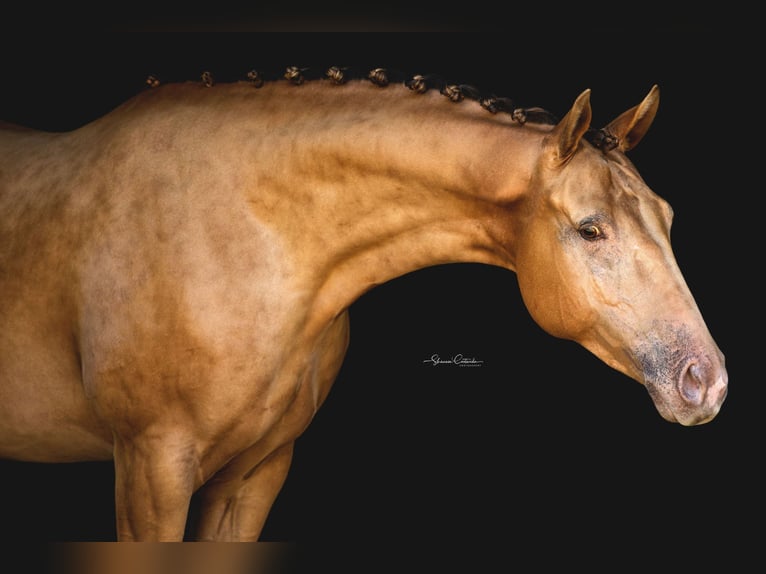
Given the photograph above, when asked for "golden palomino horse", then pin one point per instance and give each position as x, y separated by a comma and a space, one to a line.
175, 276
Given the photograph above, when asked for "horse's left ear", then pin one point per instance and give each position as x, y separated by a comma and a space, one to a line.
629, 127
567, 134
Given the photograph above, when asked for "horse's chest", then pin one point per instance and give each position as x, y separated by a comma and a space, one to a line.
282, 402
309, 372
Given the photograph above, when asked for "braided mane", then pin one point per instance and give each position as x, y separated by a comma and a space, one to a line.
382, 77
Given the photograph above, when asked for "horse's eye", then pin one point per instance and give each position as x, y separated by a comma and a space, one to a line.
590, 232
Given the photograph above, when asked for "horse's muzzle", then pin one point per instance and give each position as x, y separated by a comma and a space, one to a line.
696, 396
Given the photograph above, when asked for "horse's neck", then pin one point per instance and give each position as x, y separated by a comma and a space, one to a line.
382, 182
354, 185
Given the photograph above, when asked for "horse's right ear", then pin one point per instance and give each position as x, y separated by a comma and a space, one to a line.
632, 125
566, 136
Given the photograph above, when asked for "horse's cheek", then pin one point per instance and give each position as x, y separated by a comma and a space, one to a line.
540, 289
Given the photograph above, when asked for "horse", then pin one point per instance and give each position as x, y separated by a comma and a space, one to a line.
176, 275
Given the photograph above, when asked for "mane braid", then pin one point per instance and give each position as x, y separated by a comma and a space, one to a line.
418, 83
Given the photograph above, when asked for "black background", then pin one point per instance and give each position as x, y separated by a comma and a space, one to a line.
543, 443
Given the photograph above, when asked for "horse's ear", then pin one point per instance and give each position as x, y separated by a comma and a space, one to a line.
567, 134
629, 127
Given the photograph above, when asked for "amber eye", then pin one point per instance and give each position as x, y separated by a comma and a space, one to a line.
590, 232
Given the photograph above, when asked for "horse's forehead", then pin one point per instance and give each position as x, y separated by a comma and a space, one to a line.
631, 191
602, 180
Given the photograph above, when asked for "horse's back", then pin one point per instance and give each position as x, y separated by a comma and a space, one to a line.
127, 254
42, 408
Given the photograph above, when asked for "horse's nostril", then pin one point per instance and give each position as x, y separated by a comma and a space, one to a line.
691, 386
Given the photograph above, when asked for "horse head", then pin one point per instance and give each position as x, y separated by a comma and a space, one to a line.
595, 264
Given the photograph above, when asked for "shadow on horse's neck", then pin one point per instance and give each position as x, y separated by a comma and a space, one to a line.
413, 182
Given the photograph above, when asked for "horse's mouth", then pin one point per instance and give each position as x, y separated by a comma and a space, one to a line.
684, 371
693, 397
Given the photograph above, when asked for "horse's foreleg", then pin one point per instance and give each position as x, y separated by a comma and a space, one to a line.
154, 482
236, 503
